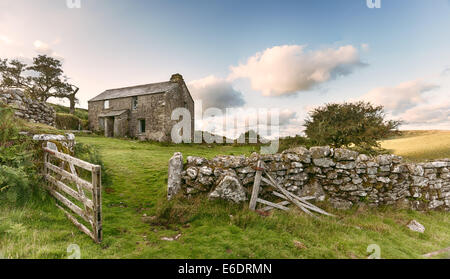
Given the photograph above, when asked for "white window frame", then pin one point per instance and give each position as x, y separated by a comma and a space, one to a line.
106, 104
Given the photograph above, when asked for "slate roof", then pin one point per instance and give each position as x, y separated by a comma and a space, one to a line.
138, 90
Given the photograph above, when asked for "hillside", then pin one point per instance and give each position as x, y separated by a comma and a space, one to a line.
79, 112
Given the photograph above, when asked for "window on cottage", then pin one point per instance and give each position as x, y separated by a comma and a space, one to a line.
142, 126
106, 104
135, 102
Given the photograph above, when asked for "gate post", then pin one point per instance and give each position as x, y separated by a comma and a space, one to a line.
97, 199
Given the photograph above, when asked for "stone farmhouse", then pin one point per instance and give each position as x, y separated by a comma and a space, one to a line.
142, 112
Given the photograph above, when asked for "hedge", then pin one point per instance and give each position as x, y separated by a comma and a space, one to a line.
65, 121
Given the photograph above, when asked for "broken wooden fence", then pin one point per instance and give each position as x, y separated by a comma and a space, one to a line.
67, 186
288, 197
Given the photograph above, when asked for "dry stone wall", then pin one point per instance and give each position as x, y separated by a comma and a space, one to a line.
340, 177
28, 109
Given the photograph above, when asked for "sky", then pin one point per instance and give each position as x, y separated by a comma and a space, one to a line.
290, 55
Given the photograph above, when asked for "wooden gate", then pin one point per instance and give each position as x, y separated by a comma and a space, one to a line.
76, 184
288, 197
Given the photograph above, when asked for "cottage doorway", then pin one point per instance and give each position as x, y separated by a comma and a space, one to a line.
109, 127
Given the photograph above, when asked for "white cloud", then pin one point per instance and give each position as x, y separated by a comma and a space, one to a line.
435, 113
216, 92
6, 40
401, 97
288, 69
287, 116
42, 48
45, 49
418, 104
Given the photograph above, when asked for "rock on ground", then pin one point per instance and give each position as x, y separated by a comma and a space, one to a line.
416, 226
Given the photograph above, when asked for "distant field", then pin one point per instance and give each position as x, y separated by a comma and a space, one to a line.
420, 145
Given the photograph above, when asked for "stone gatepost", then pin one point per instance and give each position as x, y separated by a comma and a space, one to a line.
174, 178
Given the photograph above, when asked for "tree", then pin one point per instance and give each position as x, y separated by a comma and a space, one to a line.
341, 125
41, 81
12, 74
71, 93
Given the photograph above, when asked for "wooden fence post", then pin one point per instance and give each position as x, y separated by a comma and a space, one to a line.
45, 163
97, 199
256, 186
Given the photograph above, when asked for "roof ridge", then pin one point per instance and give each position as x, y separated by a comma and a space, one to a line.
135, 86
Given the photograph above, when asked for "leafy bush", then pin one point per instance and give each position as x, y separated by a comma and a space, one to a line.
84, 124
67, 121
91, 154
343, 125
290, 142
19, 162
15, 184
7, 125
80, 113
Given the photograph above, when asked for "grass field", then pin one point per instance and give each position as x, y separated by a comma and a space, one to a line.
210, 229
420, 145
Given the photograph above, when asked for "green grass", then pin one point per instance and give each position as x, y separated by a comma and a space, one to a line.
79, 112
420, 145
209, 229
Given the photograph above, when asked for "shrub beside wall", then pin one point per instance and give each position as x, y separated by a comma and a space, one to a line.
19, 160
67, 121
341, 177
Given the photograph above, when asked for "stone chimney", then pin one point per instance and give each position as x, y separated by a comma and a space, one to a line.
176, 78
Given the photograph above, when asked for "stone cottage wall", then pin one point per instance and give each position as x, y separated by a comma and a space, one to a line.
151, 107
28, 109
341, 177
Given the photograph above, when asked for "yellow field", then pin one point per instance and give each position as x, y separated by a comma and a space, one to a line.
420, 145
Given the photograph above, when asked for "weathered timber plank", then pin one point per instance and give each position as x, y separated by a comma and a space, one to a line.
310, 205
75, 208
71, 192
268, 208
285, 192
267, 181
274, 205
73, 171
313, 208
67, 175
70, 159
256, 186
80, 226
97, 197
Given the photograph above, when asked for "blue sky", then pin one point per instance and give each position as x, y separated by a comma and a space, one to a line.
396, 55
